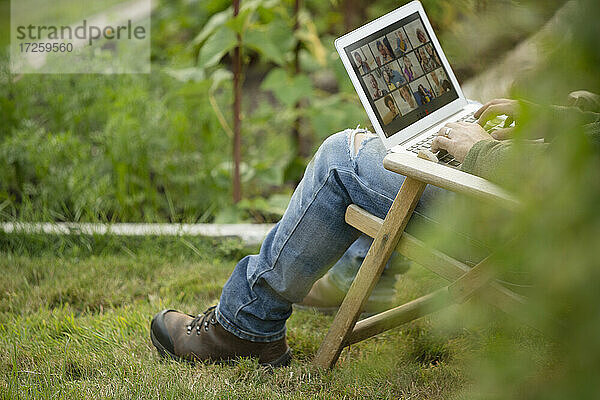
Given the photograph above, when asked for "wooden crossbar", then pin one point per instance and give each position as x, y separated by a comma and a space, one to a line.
400, 315
457, 292
436, 261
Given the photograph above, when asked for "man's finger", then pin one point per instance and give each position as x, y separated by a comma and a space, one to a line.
503, 133
449, 125
493, 111
440, 143
489, 103
443, 130
482, 109
449, 130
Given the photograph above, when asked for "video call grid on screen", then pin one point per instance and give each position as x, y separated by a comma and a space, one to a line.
401, 72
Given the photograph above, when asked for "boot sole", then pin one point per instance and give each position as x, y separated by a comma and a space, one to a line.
282, 361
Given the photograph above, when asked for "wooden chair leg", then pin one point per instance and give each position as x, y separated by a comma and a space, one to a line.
383, 245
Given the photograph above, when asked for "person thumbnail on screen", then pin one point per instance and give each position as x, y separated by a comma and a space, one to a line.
439, 82
416, 33
405, 100
367, 57
387, 108
422, 91
392, 75
433, 54
399, 42
382, 51
360, 62
446, 86
421, 35
375, 86
387, 79
411, 67
428, 62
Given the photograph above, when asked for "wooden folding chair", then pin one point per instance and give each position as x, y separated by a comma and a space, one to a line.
389, 235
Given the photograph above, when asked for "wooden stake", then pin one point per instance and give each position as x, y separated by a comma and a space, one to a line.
237, 121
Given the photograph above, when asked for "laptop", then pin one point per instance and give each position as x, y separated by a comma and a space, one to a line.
404, 80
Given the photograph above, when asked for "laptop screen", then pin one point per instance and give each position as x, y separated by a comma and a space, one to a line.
402, 74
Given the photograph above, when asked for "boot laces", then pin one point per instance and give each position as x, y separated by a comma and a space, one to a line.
203, 320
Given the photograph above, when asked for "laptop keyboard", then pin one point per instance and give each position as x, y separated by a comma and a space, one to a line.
443, 156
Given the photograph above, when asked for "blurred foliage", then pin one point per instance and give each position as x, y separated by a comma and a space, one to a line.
548, 249
156, 148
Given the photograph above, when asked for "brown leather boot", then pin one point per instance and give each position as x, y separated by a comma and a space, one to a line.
185, 337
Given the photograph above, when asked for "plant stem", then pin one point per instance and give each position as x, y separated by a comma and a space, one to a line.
237, 99
297, 123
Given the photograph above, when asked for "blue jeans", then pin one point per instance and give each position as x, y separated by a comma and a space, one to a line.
257, 299
343, 272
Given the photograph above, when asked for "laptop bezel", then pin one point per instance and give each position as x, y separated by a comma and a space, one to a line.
427, 121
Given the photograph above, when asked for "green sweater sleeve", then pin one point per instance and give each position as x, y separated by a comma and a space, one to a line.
500, 161
494, 160
484, 156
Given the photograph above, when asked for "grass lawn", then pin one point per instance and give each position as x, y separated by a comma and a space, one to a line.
75, 314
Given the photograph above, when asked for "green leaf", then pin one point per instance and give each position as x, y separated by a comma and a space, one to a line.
269, 173
261, 42
273, 41
216, 21
287, 89
216, 46
218, 77
254, 4
276, 204
223, 173
335, 113
294, 170
238, 24
193, 74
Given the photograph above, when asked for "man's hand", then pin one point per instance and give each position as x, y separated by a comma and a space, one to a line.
492, 109
457, 138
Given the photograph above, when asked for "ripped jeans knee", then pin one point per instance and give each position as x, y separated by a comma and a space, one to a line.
357, 139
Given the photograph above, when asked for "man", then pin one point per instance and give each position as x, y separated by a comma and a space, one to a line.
256, 301
362, 65
377, 92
